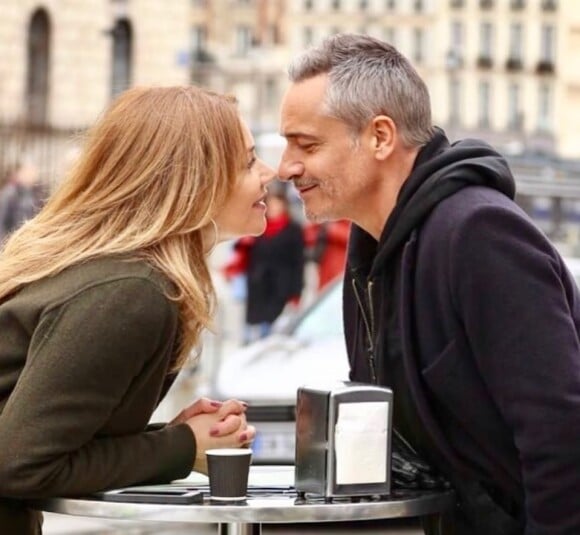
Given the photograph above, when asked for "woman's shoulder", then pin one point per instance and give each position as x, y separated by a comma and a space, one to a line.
120, 274
106, 268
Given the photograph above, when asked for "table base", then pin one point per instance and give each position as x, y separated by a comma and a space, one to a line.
238, 528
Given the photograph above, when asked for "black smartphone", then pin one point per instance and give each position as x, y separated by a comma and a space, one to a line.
154, 495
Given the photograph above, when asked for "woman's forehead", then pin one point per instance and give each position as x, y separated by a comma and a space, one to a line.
248, 137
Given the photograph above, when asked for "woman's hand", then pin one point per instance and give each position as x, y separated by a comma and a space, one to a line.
216, 425
201, 406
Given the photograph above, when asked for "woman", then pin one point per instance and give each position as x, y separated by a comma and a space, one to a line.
105, 292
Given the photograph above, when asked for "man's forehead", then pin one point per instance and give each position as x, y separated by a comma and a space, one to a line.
304, 125
308, 91
302, 110
297, 103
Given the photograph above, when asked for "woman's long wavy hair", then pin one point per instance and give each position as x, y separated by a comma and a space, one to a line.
155, 169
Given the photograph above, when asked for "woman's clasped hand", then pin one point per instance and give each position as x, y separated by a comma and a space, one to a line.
216, 424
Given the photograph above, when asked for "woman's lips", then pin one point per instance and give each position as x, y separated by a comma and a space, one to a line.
261, 204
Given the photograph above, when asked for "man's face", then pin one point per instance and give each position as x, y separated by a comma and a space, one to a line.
328, 165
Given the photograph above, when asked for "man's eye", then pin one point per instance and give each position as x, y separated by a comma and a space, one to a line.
308, 147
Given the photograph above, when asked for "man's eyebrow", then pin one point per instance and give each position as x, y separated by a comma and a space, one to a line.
294, 135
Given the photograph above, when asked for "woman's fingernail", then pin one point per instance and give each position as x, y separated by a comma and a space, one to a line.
216, 403
243, 437
213, 432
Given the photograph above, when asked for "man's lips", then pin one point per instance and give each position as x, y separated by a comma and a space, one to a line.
305, 188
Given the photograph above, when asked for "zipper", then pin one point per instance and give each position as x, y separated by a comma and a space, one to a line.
369, 325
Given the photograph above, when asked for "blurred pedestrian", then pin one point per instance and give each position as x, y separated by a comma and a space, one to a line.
273, 264
105, 292
20, 198
452, 296
327, 244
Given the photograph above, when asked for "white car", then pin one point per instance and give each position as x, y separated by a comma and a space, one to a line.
268, 373
574, 267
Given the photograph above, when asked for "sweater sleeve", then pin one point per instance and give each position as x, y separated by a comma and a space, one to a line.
85, 358
520, 316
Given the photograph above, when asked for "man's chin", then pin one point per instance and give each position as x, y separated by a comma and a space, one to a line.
315, 216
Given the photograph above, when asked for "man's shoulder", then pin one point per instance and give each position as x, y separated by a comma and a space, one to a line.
462, 205
475, 212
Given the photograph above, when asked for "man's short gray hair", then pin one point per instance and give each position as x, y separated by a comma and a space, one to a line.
369, 77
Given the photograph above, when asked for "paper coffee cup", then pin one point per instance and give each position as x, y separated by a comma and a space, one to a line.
228, 470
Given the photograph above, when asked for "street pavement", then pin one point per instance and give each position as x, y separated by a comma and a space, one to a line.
64, 525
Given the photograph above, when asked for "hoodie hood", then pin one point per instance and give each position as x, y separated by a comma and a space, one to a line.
439, 171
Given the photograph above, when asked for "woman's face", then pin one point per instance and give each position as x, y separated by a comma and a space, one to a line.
244, 213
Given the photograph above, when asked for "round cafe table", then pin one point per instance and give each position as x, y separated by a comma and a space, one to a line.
269, 503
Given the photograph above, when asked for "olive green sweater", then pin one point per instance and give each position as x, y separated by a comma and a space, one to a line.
83, 360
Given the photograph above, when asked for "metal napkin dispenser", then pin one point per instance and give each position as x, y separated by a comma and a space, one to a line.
343, 440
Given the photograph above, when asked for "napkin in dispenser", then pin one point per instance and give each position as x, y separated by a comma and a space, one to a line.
343, 440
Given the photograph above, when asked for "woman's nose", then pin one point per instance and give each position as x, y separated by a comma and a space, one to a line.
268, 174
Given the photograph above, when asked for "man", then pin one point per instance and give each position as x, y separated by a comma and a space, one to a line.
452, 296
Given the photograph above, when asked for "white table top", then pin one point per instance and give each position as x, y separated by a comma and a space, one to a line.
275, 508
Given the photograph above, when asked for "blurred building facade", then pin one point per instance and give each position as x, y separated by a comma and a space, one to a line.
502, 69
240, 46
505, 70
506, 73
62, 61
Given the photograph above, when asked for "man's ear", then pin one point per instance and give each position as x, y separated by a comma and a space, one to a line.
383, 135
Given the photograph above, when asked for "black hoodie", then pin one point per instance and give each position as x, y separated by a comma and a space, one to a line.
439, 309
439, 171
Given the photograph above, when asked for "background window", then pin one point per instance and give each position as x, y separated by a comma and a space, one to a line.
545, 108
198, 38
243, 40
122, 56
454, 101
515, 116
547, 43
516, 32
486, 39
418, 45
457, 37
307, 36
37, 76
484, 104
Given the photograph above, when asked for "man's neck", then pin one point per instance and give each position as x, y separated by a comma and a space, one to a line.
378, 207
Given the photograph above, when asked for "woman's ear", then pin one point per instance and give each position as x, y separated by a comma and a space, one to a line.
383, 136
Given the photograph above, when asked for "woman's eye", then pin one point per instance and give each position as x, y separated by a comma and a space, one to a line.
251, 163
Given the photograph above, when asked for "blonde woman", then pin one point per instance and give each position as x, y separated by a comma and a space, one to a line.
105, 292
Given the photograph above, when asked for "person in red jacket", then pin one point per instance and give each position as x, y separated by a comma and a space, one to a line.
273, 265
327, 244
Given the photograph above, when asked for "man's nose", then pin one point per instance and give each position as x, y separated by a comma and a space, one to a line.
288, 169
